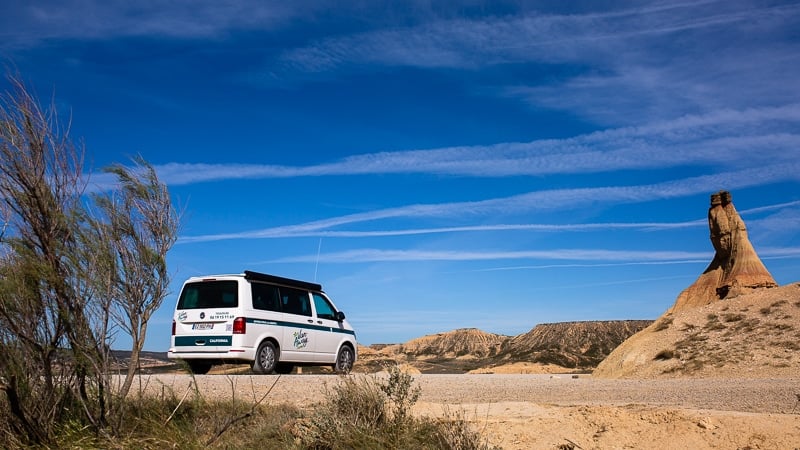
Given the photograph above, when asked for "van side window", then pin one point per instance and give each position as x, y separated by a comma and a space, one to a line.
323, 307
265, 296
295, 301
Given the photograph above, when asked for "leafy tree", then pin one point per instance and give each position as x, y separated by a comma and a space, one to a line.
135, 228
72, 272
40, 311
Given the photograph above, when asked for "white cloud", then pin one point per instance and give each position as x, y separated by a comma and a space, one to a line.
788, 219
318, 229
621, 257
725, 139
30, 24
559, 199
625, 65
375, 255
535, 37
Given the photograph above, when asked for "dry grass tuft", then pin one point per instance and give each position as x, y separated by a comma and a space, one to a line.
663, 324
732, 317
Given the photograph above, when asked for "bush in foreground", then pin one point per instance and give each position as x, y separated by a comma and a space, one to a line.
360, 412
370, 412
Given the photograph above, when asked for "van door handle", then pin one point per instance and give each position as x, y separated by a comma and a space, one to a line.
310, 320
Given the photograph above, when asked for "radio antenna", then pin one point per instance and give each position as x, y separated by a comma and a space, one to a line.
316, 265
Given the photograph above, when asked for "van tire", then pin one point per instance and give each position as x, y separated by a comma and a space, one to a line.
199, 367
344, 360
266, 358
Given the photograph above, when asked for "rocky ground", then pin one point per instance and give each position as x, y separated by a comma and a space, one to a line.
564, 411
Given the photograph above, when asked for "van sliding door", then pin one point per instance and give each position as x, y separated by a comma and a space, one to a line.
298, 337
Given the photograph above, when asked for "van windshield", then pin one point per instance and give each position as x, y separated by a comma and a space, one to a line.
209, 294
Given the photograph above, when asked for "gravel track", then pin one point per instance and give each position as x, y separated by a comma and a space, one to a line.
743, 395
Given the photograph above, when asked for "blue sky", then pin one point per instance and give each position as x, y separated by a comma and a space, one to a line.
440, 165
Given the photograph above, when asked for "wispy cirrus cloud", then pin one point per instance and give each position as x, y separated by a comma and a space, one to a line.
382, 255
624, 65
465, 43
677, 64
559, 199
318, 229
612, 257
725, 139
35, 22
314, 230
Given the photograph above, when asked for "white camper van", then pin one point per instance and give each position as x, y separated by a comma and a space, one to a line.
270, 322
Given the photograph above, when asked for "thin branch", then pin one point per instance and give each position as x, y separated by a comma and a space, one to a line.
186, 394
243, 416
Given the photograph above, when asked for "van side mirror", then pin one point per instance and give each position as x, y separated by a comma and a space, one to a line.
339, 316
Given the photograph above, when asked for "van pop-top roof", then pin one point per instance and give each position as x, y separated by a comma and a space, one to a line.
257, 276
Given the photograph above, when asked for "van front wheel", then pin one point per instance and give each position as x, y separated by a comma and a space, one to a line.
344, 360
266, 358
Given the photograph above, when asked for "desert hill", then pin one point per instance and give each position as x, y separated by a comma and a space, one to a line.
547, 348
577, 345
454, 351
464, 342
755, 335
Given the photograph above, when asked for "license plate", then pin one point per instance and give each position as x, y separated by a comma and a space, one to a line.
202, 326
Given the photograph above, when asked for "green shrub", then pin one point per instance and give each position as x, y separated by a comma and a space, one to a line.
376, 413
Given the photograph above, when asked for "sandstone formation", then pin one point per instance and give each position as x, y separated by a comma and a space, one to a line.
755, 335
736, 268
753, 329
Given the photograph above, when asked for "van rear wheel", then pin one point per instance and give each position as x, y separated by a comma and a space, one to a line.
344, 360
266, 358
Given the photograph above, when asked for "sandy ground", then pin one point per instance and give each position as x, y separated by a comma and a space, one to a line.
563, 412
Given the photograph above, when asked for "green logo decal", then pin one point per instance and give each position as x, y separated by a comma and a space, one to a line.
300, 339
